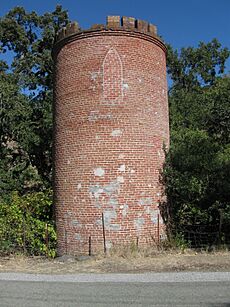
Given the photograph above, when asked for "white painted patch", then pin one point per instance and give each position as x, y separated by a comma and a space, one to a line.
109, 244
138, 223
95, 115
97, 195
120, 179
154, 216
122, 168
121, 156
113, 202
116, 132
109, 215
96, 191
145, 201
94, 75
76, 223
149, 185
79, 186
132, 171
140, 80
125, 86
98, 222
125, 210
78, 237
68, 161
99, 172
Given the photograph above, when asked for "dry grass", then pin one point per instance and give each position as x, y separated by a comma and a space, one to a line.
123, 260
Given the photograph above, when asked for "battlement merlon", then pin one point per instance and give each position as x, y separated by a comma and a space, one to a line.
112, 23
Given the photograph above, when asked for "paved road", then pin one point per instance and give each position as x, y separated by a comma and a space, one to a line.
152, 289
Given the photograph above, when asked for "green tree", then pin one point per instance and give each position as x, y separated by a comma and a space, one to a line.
26, 85
199, 66
16, 171
197, 168
26, 96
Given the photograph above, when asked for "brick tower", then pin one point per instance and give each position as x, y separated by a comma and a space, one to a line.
110, 124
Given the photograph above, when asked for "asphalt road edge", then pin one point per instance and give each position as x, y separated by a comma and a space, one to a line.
142, 277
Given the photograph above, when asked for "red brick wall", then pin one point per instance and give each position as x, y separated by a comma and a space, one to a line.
111, 119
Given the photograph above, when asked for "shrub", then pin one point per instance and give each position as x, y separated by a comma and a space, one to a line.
27, 225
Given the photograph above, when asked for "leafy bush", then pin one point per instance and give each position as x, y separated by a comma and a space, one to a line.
26, 224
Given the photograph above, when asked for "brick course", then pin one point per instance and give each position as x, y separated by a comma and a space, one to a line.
111, 120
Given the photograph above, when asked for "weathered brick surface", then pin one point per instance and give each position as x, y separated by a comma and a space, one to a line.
111, 120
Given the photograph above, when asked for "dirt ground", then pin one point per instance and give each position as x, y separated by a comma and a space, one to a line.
118, 263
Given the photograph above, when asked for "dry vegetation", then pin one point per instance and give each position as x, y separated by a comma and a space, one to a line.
124, 260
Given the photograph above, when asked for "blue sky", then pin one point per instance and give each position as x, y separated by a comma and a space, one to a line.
181, 23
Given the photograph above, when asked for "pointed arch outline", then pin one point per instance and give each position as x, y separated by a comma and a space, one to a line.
112, 77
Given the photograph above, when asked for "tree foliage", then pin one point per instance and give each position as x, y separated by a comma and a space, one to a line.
26, 97
26, 84
26, 225
196, 66
197, 168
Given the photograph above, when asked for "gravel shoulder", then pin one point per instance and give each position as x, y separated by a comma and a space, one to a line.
188, 261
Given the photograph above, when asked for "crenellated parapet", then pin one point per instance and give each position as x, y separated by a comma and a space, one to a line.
113, 23
130, 23
70, 29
